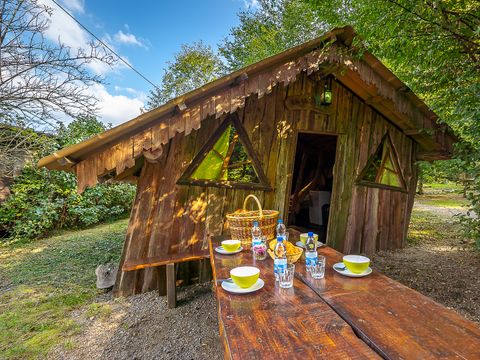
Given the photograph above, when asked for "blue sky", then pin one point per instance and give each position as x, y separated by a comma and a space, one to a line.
147, 34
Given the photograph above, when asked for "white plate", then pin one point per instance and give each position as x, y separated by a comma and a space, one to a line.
231, 287
222, 251
348, 273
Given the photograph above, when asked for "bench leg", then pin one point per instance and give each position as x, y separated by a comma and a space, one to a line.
162, 280
171, 287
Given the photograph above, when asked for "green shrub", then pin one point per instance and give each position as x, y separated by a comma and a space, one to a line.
42, 201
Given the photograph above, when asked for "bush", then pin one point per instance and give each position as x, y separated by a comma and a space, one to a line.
42, 201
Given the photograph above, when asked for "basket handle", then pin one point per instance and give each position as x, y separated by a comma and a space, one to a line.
251, 196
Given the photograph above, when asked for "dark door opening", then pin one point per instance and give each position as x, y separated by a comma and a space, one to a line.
312, 183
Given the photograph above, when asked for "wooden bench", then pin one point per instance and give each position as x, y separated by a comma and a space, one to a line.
170, 261
318, 318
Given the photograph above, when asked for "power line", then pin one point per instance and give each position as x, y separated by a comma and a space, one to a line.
105, 45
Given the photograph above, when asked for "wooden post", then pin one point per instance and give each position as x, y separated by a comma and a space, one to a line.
204, 272
162, 286
171, 286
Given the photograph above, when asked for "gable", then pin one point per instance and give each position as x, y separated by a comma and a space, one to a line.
227, 160
383, 168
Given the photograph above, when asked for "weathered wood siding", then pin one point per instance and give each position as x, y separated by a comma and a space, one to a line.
173, 220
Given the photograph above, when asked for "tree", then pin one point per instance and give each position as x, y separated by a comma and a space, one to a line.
272, 27
193, 66
40, 80
84, 127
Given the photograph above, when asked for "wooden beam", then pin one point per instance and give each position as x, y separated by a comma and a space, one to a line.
240, 79
153, 156
66, 161
162, 284
412, 132
374, 100
433, 155
171, 286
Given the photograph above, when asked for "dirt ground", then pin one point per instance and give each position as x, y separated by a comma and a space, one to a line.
437, 262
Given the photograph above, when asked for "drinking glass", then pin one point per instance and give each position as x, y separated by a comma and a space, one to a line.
285, 278
318, 270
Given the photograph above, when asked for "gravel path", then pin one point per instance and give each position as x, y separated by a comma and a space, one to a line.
141, 327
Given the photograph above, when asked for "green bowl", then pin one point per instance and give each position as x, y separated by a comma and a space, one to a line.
304, 237
231, 245
245, 276
357, 264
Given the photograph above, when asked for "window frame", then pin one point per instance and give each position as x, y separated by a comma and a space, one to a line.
386, 141
234, 121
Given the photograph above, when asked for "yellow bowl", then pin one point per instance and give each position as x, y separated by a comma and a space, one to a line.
245, 276
231, 245
304, 237
357, 264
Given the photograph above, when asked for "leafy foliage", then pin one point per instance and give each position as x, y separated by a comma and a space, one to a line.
272, 27
43, 200
194, 66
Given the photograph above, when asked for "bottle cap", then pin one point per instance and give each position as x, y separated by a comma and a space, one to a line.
280, 221
310, 234
255, 223
279, 238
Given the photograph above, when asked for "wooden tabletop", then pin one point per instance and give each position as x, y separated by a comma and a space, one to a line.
275, 323
336, 317
396, 321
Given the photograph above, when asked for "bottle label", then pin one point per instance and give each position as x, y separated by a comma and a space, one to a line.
279, 265
256, 241
311, 259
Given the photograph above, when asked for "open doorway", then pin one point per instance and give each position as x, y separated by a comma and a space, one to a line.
312, 183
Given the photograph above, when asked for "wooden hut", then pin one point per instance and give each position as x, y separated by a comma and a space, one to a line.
328, 138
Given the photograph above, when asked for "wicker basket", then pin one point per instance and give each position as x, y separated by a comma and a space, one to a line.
241, 223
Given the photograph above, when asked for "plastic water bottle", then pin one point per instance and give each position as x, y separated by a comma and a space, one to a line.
281, 229
256, 234
311, 255
280, 261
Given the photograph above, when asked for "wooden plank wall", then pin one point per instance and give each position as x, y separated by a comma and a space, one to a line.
176, 220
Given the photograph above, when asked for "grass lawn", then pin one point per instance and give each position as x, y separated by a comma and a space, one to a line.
43, 281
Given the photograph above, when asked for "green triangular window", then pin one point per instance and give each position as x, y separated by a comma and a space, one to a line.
383, 167
227, 159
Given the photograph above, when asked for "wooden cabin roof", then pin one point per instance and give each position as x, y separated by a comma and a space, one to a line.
118, 148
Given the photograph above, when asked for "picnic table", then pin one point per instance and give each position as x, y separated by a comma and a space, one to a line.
336, 317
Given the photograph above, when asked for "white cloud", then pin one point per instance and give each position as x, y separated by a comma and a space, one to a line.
251, 4
113, 109
128, 39
64, 29
131, 91
116, 109
77, 6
